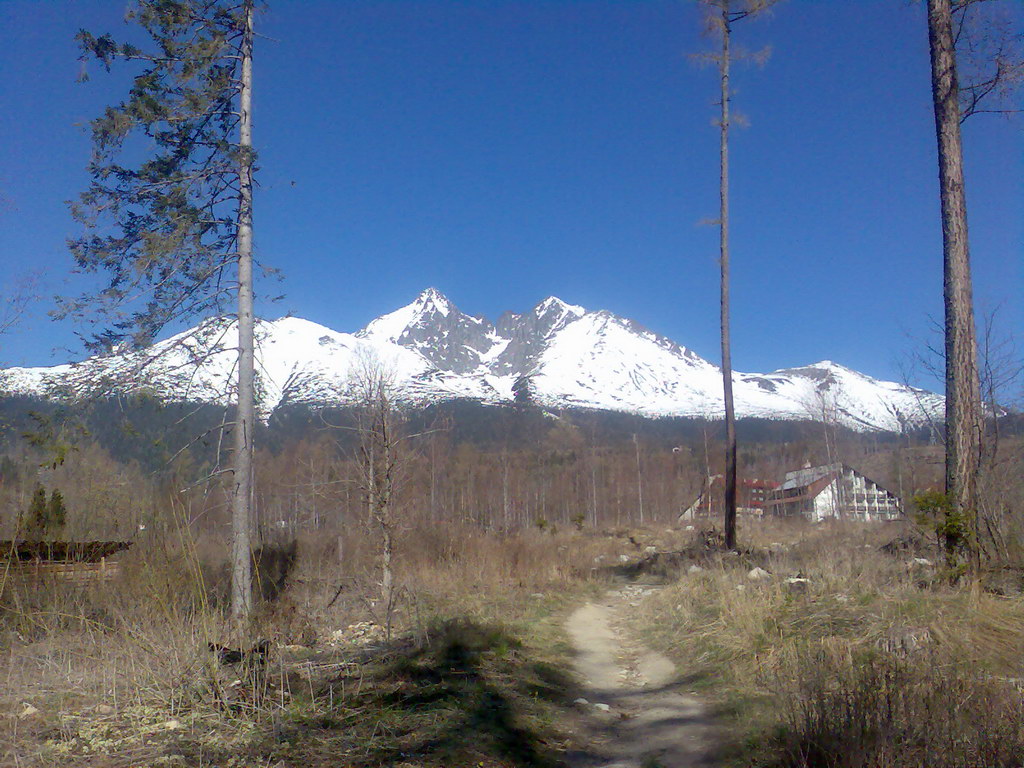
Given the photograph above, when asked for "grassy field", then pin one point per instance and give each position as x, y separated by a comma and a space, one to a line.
848, 652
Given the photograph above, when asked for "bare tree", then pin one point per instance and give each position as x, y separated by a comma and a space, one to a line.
990, 56
720, 16
380, 443
1001, 370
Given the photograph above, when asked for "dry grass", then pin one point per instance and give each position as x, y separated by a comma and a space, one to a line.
813, 670
873, 661
120, 672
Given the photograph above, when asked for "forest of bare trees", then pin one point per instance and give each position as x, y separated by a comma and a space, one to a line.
376, 468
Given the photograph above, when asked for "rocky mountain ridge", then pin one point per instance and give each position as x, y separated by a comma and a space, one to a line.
556, 355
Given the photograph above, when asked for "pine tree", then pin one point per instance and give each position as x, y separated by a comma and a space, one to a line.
720, 17
56, 514
34, 527
169, 230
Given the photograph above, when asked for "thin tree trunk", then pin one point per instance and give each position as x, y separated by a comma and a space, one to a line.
730, 415
639, 480
433, 480
371, 486
241, 518
387, 581
504, 490
963, 422
593, 489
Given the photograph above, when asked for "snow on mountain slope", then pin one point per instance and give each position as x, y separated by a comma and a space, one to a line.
557, 354
829, 391
599, 361
297, 361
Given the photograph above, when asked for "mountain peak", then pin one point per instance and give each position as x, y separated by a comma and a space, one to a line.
437, 330
393, 325
431, 298
832, 366
553, 302
821, 365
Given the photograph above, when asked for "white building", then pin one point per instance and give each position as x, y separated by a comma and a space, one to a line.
832, 491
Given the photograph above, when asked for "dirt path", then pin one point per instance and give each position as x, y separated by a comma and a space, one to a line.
638, 711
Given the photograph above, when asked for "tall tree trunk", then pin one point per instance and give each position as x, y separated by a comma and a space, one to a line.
241, 517
963, 410
730, 414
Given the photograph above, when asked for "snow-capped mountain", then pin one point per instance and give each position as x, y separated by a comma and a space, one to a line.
556, 355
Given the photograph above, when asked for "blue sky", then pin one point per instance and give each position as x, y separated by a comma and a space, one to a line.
506, 151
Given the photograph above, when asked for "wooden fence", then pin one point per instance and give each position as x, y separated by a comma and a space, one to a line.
64, 573
65, 562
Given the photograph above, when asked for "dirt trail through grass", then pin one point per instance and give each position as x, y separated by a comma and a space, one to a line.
639, 712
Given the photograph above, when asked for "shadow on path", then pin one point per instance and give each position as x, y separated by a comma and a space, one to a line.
639, 712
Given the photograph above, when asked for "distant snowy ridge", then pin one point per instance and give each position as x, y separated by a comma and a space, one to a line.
557, 355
